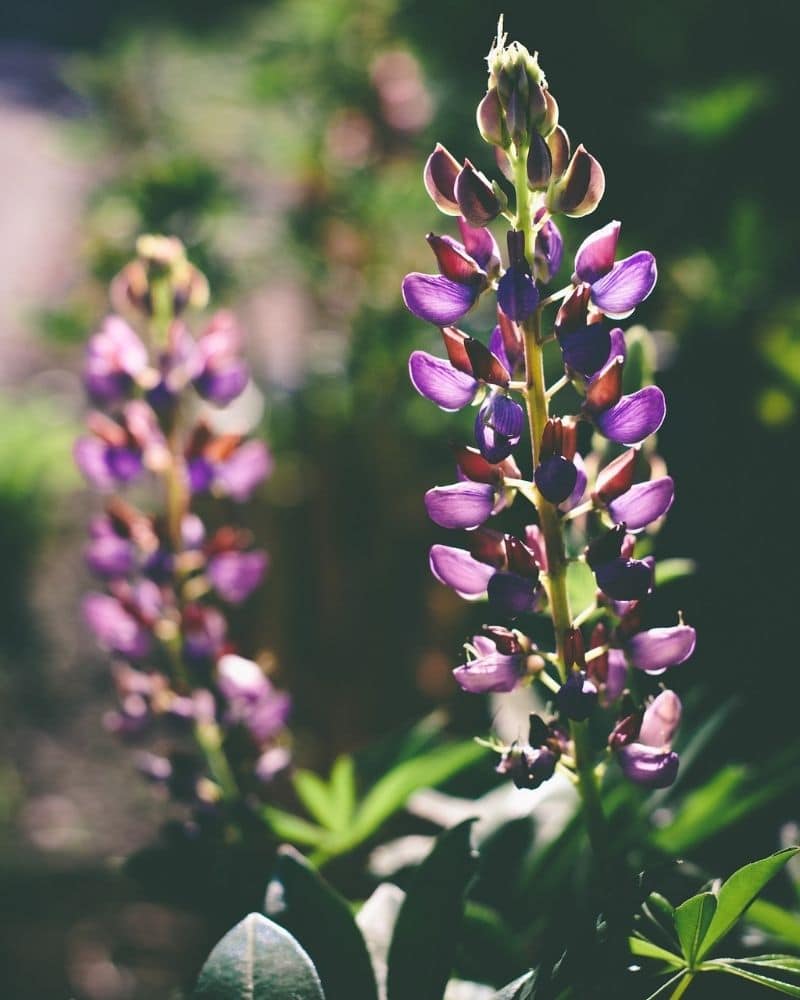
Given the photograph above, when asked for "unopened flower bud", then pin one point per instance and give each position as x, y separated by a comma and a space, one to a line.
577, 697
574, 650
580, 189
477, 199
491, 121
539, 163
521, 560
549, 119
615, 478
441, 171
605, 548
558, 144
605, 389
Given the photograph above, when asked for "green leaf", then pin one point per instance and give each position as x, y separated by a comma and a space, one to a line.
720, 965
343, 791
258, 960
739, 891
287, 826
692, 920
313, 792
428, 925
394, 789
581, 586
786, 963
775, 920
643, 948
662, 990
306, 905
668, 570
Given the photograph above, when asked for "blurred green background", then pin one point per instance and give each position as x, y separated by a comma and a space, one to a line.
283, 142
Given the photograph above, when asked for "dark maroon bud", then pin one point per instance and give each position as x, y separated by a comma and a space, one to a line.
506, 641
539, 732
454, 262
616, 478
476, 197
605, 390
504, 164
491, 123
489, 546
455, 345
574, 650
485, 365
625, 731
537, 105
577, 697
551, 439
572, 315
550, 117
528, 768
558, 143
606, 547
517, 115
569, 438
475, 467
580, 189
511, 335
598, 665
515, 240
440, 175
521, 559
539, 163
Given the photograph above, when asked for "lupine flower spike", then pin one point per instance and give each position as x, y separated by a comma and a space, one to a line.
167, 578
594, 487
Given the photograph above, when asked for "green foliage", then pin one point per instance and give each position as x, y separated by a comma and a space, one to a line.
258, 960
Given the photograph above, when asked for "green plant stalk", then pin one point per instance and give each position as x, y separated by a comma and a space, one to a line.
556, 578
682, 986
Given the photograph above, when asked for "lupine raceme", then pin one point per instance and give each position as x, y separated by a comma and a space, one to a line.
594, 488
166, 577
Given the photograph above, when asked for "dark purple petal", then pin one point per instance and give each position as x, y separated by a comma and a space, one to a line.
476, 197
579, 490
556, 478
438, 300
457, 569
619, 349
549, 252
634, 417
201, 475
645, 766
235, 575
596, 255
114, 627
528, 768
512, 595
441, 170
204, 630
658, 648
110, 556
498, 426
480, 245
223, 385
124, 464
497, 345
617, 674
437, 380
625, 579
661, 720
586, 349
460, 505
628, 283
453, 260
577, 697
492, 673
643, 503
248, 466
517, 294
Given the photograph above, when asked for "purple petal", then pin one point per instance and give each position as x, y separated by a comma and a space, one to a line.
498, 426
457, 569
268, 716
634, 417
480, 245
124, 464
497, 346
579, 490
235, 575
436, 379
244, 470
628, 283
645, 766
436, 299
223, 385
661, 720
577, 697
110, 556
201, 475
460, 505
617, 674
492, 673
595, 256
643, 503
239, 678
549, 252
556, 477
511, 594
586, 349
625, 579
517, 294
272, 762
658, 648
619, 349
90, 457
114, 627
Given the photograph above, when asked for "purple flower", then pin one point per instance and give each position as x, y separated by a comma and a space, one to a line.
517, 294
437, 380
643, 503
456, 568
271, 762
115, 357
460, 505
222, 374
251, 698
634, 417
661, 720
109, 554
447, 297
490, 670
228, 468
528, 767
118, 626
658, 648
648, 767
498, 426
556, 478
577, 697
235, 575
548, 253
110, 458
616, 288
204, 630
625, 579
512, 594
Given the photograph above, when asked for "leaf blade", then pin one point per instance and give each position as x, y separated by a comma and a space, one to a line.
643, 948
789, 989
692, 920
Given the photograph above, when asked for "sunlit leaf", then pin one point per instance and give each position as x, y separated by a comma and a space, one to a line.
646, 949
785, 963
669, 570
258, 960
342, 786
692, 920
287, 826
775, 920
721, 965
315, 795
581, 586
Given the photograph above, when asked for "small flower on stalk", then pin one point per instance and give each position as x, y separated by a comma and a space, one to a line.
649, 760
498, 426
487, 669
616, 288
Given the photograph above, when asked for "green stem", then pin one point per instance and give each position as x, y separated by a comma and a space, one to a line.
682, 986
550, 524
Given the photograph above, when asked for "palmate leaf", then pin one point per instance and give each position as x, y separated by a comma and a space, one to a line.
643, 948
427, 929
287, 826
776, 921
724, 965
310, 909
692, 920
739, 891
315, 795
258, 960
784, 963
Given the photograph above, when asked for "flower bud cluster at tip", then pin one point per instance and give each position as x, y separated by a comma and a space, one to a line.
167, 579
596, 468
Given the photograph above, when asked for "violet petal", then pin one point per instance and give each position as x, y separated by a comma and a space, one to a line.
658, 648
511, 594
460, 505
643, 503
661, 720
436, 379
480, 245
634, 417
625, 579
586, 349
628, 283
556, 478
436, 299
595, 256
456, 568
517, 294
492, 673
645, 766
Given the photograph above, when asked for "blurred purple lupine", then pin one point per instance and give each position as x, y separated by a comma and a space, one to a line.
593, 503
166, 578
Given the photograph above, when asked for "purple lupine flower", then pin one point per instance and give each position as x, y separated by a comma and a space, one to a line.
222, 374
643, 503
577, 696
498, 426
528, 767
645, 766
116, 627
455, 382
109, 554
235, 575
489, 670
465, 271
517, 295
252, 699
634, 417
460, 505
625, 579
204, 629
512, 594
658, 648
556, 478
548, 253
457, 568
115, 358
661, 720
616, 288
